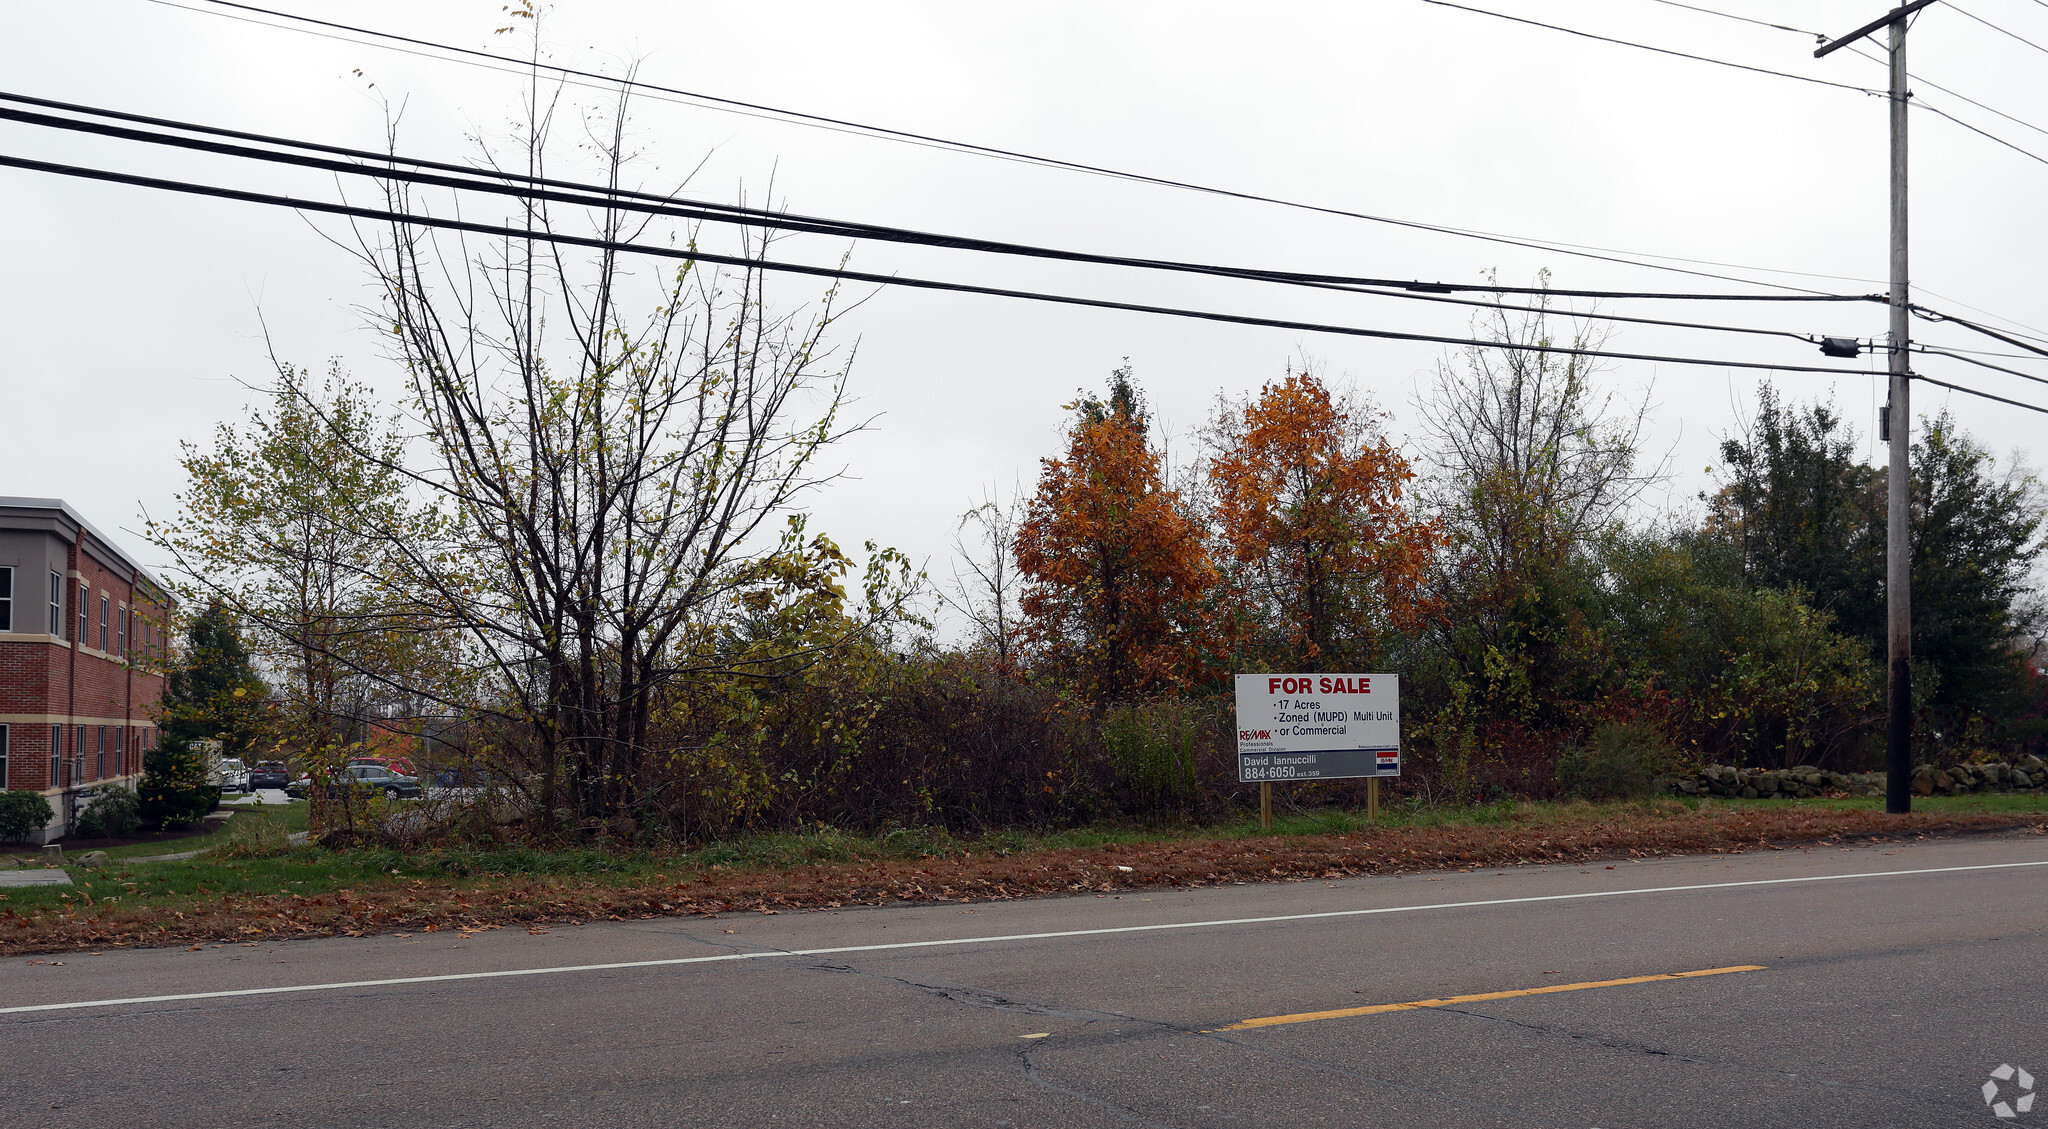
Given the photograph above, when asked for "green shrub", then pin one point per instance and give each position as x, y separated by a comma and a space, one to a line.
111, 814
1758, 675
175, 791
1152, 748
22, 813
1620, 761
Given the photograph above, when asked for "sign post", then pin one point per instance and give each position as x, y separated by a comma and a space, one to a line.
1317, 727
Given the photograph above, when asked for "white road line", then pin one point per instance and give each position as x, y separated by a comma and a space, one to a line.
783, 953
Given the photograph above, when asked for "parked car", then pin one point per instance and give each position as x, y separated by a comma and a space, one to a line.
231, 774
376, 778
298, 789
269, 774
400, 766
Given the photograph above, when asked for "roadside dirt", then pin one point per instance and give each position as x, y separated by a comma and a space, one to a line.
465, 905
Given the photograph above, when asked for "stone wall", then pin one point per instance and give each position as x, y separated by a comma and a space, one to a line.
2028, 774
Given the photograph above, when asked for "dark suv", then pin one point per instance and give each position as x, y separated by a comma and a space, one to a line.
269, 774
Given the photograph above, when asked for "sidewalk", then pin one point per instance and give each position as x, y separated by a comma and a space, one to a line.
40, 876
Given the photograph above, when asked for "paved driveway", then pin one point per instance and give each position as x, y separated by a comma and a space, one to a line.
260, 796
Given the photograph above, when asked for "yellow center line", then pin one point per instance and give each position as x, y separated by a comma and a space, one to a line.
1376, 1009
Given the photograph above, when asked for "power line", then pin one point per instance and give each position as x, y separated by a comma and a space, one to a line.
491, 61
1940, 352
1986, 353
481, 179
1927, 314
841, 274
1782, 74
1994, 27
2034, 333
1975, 392
1953, 93
471, 56
475, 57
1921, 104
1983, 132
1979, 105
1742, 19
1657, 50
647, 203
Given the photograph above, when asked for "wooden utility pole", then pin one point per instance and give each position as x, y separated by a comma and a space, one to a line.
1898, 587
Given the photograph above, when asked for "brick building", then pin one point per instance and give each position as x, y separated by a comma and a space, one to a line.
81, 642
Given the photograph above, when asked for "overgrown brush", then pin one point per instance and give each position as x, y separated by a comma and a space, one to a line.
1619, 761
254, 837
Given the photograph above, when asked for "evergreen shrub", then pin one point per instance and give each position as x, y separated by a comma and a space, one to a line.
22, 813
112, 813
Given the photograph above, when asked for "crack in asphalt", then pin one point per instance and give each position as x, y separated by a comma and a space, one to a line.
1415, 1091
1620, 1044
1612, 1042
976, 997
1119, 1112
979, 998
971, 996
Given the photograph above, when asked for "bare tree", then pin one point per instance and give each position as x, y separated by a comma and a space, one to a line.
620, 488
1530, 458
987, 592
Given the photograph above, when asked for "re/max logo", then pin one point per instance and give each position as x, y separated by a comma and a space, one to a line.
1255, 735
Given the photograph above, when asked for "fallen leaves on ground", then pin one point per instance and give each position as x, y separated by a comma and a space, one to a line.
418, 907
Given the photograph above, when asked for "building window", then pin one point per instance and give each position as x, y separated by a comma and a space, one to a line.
6, 599
77, 761
99, 756
4, 781
57, 603
84, 610
121, 633
104, 606
56, 753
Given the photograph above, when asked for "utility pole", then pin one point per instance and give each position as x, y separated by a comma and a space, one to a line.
1898, 586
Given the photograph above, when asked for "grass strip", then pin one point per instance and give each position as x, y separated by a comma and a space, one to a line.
313, 892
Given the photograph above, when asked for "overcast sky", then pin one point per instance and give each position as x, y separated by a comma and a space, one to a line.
131, 320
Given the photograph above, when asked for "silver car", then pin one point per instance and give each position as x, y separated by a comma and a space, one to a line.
377, 776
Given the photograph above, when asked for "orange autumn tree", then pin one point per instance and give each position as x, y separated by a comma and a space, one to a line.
1307, 500
1115, 569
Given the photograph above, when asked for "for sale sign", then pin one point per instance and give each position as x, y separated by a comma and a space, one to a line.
1318, 726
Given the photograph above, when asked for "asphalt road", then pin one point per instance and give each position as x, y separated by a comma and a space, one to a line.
1880, 1000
